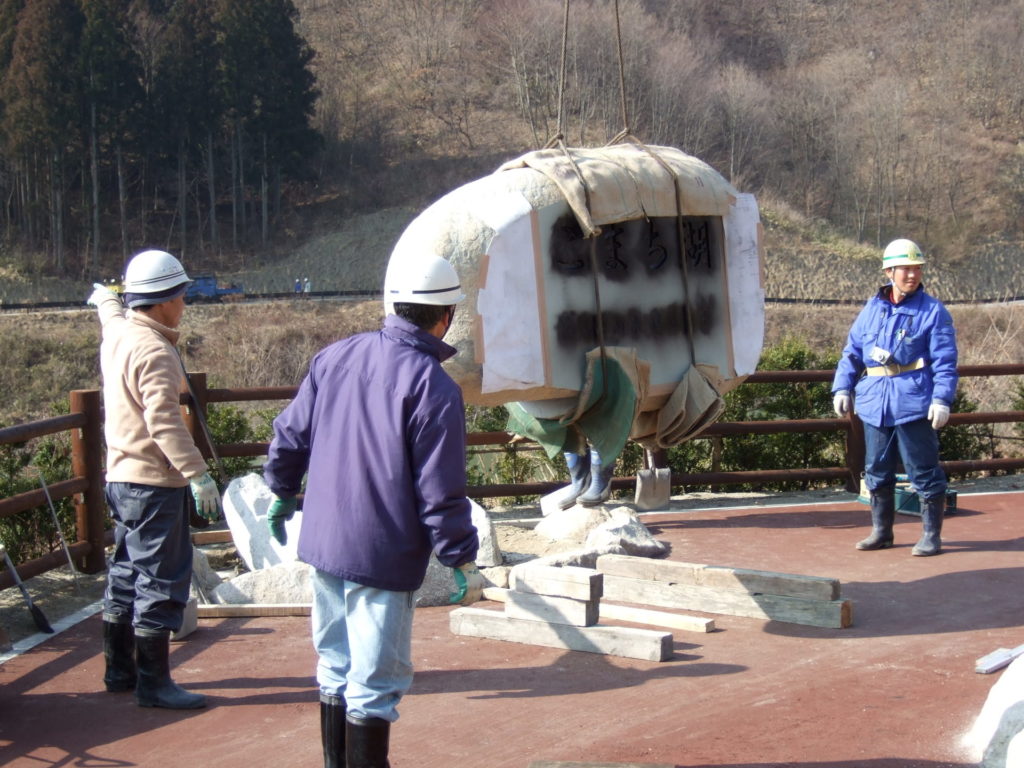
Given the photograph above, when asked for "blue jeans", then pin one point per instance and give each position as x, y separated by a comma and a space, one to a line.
150, 568
917, 444
363, 637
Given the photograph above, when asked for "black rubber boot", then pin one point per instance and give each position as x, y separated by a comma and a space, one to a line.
366, 742
579, 473
932, 511
600, 489
119, 653
332, 730
154, 687
883, 514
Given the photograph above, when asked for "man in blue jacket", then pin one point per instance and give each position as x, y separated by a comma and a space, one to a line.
379, 427
900, 362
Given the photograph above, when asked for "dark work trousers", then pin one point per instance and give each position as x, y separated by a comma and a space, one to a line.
151, 568
917, 444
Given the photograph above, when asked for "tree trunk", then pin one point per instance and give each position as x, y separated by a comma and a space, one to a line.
264, 225
211, 189
95, 171
182, 199
234, 195
240, 145
122, 201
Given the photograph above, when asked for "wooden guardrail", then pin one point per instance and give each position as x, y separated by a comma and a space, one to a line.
85, 487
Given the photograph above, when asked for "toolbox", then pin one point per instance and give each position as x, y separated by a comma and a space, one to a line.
907, 500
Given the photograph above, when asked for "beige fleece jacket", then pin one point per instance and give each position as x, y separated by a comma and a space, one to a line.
147, 441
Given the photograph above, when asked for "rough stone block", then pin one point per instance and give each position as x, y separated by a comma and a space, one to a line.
283, 583
245, 509
189, 621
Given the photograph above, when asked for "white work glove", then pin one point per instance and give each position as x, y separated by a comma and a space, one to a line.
470, 583
100, 293
938, 415
204, 491
841, 403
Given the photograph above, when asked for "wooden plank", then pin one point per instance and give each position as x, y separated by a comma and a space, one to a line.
833, 614
655, 618
999, 658
563, 764
631, 614
243, 610
557, 610
628, 642
560, 581
720, 577
211, 537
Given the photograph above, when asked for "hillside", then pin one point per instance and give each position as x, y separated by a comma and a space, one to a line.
853, 123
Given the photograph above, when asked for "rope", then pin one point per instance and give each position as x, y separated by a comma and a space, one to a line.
679, 236
622, 71
559, 127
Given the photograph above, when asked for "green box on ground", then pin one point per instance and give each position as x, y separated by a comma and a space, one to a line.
907, 500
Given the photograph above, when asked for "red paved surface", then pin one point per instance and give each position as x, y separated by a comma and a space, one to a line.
896, 689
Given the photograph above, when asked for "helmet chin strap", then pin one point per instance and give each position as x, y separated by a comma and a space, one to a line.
448, 323
898, 294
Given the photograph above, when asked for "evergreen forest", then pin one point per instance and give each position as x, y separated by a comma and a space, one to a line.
231, 130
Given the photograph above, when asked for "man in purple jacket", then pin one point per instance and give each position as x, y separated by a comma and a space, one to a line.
379, 427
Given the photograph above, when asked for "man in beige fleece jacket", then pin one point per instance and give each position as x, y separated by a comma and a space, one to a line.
151, 462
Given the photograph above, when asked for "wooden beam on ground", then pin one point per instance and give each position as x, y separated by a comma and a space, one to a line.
562, 581
631, 614
833, 614
211, 537
999, 658
720, 577
249, 610
556, 610
655, 618
629, 642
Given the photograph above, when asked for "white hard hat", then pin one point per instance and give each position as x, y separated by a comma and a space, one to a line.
152, 277
421, 280
902, 253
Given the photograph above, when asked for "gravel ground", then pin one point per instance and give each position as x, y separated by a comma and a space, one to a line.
61, 594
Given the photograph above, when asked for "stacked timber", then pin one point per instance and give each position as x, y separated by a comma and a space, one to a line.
558, 607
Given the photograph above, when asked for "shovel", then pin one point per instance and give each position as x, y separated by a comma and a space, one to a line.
60, 533
654, 484
37, 615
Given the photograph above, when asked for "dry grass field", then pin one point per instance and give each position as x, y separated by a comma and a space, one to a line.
270, 344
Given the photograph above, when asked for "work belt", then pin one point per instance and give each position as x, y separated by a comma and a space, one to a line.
896, 370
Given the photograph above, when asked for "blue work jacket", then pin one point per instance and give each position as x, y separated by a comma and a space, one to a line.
918, 328
380, 427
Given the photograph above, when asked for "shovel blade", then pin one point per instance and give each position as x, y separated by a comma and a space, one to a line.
653, 489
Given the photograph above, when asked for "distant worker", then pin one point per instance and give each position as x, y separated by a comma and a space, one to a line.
900, 361
152, 462
298, 285
307, 287
380, 428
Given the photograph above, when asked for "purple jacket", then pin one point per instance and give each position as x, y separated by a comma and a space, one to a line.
381, 429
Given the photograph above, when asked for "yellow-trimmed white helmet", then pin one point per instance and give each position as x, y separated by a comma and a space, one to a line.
902, 253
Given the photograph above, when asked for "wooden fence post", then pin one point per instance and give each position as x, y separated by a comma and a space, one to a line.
855, 453
87, 462
198, 382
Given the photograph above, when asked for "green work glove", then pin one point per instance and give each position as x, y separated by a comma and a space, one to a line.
204, 491
280, 511
470, 583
